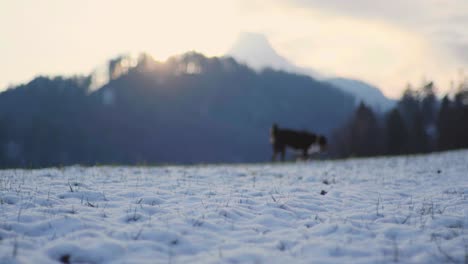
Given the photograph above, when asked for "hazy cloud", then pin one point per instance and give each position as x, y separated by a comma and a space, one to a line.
388, 43
443, 22
415, 12
461, 50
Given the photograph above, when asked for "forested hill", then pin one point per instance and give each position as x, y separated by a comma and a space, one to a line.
188, 109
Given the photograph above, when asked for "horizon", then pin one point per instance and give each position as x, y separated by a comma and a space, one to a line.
387, 47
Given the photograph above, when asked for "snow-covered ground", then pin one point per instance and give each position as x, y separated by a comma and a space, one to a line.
404, 209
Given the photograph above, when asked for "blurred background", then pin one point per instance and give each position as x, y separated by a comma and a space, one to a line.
157, 82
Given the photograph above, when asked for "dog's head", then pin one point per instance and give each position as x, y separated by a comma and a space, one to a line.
273, 128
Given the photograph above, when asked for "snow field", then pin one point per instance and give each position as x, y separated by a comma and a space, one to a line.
382, 210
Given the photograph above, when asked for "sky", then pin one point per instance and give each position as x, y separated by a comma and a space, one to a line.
386, 43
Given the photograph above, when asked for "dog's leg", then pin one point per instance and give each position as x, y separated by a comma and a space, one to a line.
283, 152
276, 149
305, 155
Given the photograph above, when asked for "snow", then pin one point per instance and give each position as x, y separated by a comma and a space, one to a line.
408, 209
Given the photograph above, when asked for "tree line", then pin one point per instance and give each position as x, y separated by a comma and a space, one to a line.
194, 109
419, 123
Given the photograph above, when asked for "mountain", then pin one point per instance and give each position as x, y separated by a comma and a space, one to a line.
188, 109
364, 92
256, 51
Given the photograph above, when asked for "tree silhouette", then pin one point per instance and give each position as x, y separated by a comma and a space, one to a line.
446, 126
364, 133
397, 134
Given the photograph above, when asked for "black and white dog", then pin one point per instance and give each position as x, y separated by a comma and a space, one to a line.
299, 140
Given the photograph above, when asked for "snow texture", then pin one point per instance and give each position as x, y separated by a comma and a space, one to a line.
403, 209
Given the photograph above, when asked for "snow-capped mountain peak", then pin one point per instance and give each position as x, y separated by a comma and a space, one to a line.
255, 50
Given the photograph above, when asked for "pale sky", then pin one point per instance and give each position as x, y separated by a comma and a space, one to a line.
386, 43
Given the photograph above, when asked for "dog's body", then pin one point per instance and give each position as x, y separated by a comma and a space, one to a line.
300, 140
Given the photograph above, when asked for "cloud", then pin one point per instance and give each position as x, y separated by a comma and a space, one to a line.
442, 22
461, 50
395, 10
415, 12
388, 43
384, 42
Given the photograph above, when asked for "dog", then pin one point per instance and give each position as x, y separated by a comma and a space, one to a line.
299, 140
